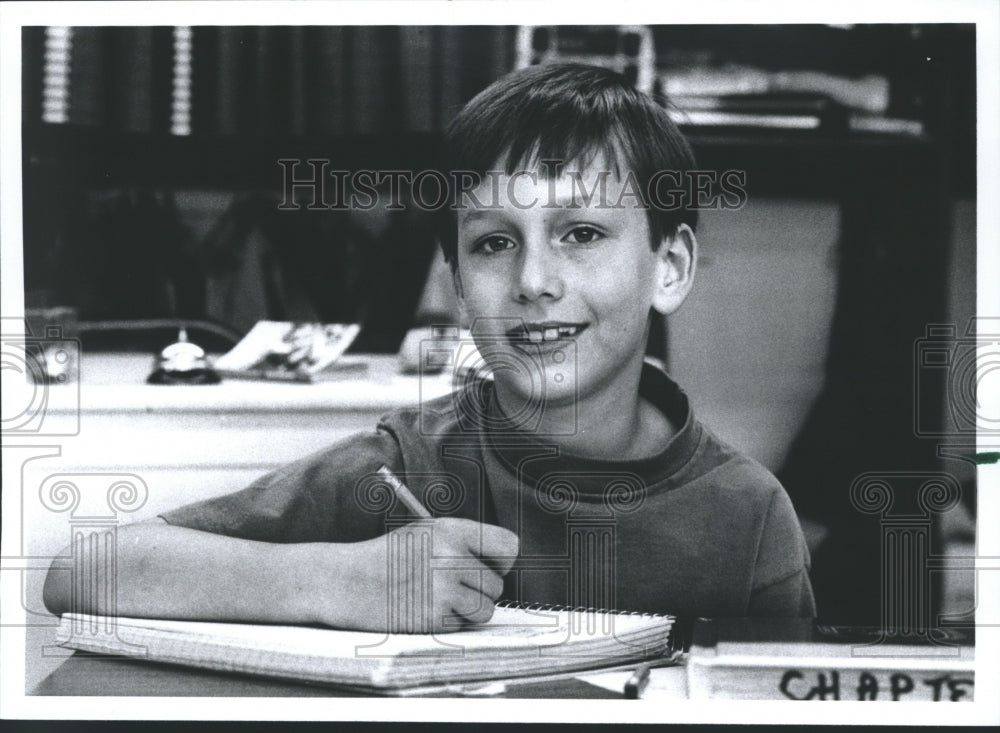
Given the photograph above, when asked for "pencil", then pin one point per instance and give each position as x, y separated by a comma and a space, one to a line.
404, 494
636, 684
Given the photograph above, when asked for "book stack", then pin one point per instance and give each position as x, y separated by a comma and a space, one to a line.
798, 659
741, 96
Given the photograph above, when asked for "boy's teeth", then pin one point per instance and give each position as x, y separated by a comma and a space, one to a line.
549, 334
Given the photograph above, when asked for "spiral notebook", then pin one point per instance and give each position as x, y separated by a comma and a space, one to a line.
519, 641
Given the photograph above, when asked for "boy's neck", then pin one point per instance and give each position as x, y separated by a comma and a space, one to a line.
614, 423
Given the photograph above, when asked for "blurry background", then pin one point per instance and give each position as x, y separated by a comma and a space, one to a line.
151, 190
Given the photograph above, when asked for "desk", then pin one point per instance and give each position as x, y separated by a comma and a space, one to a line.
184, 443
85, 674
174, 444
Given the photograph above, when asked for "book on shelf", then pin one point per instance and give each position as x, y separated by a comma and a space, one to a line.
87, 83
518, 642
371, 78
867, 93
721, 118
417, 74
449, 52
228, 81
779, 110
735, 96
800, 659
327, 82
785, 111
133, 77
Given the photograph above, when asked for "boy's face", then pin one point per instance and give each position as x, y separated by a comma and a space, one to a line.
558, 291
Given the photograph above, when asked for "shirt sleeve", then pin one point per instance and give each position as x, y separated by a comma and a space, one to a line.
781, 586
325, 497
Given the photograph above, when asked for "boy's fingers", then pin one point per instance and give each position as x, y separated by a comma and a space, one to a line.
485, 581
493, 585
469, 572
496, 546
499, 548
474, 607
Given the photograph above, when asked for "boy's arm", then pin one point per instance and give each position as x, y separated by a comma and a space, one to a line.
781, 586
166, 571
789, 597
174, 572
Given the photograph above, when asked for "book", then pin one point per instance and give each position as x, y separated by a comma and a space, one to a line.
297, 81
799, 659
449, 57
370, 79
227, 82
517, 642
868, 93
327, 80
776, 103
784, 110
724, 118
287, 351
133, 78
87, 82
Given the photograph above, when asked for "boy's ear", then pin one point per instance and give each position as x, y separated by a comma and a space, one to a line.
675, 266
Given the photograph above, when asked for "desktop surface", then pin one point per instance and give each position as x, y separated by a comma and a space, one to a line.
84, 675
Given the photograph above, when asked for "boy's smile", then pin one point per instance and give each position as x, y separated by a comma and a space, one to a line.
560, 283
536, 333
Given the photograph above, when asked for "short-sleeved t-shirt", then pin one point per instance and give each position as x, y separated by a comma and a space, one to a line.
696, 530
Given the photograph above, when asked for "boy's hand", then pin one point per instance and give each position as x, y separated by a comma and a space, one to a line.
429, 576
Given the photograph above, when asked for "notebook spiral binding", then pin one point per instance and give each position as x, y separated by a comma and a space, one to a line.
679, 628
558, 608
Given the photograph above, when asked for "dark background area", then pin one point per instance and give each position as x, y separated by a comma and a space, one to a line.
109, 230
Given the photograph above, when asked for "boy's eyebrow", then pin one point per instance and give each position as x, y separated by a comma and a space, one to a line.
573, 200
474, 214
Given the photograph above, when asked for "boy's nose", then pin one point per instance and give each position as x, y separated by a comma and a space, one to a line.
538, 275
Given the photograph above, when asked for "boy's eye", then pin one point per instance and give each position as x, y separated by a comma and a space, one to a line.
582, 235
494, 244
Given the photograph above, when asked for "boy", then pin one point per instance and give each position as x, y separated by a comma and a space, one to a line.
576, 475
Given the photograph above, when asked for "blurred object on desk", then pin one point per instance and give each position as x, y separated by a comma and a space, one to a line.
41, 370
183, 363
285, 351
51, 346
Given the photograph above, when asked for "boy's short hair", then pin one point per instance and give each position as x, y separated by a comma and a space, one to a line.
572, 113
